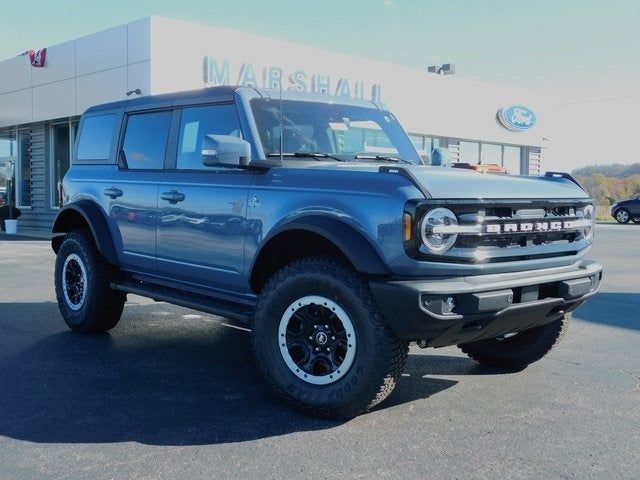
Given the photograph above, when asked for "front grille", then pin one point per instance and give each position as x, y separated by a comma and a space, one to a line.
516, 215
503, 241
508, 230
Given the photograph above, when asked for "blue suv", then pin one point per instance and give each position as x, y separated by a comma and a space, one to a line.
313, 221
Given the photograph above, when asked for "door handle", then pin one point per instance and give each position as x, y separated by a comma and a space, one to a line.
113, 192
173, 196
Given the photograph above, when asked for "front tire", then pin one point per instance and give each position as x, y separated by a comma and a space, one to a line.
521, 349
321, 342
82, 280
623, 216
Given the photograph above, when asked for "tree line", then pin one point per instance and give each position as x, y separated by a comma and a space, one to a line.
608, 184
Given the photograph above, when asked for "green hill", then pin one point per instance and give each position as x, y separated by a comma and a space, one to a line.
616, 170
608, 184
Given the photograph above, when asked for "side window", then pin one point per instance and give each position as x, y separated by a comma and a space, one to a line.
198, 122
96, 137
145, 141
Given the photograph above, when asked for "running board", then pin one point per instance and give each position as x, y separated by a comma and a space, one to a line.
203, 303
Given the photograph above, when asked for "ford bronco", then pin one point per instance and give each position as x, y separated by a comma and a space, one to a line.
314, 222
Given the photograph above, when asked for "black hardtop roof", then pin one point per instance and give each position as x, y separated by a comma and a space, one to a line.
208, 94
217, 94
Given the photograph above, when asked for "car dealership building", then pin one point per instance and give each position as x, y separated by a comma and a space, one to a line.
42, 96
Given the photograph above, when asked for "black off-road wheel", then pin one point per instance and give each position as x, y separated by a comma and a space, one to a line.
321, 341
520, 349
82, 280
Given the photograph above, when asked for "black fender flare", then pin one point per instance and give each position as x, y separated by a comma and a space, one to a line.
94, 217
349, 241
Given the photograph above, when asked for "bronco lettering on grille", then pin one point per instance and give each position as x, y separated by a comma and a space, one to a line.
526, 227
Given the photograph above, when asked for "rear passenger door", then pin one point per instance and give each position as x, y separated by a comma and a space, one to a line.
203, 210
133, 190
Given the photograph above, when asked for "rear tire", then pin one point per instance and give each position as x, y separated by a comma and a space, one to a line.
622, 215
322, 343
523, 348
82, 280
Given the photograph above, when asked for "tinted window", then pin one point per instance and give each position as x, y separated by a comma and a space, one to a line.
96, 137
145, 140
198, 122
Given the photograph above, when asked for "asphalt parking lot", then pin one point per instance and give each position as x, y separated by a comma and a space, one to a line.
170, 393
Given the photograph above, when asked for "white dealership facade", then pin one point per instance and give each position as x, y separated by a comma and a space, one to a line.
40, 106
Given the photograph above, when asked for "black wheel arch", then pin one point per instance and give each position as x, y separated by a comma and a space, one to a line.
86, 214
346, 239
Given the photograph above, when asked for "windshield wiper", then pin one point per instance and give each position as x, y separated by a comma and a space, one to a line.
383, 158
314, 155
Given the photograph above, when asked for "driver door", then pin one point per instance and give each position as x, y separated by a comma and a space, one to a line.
202, 210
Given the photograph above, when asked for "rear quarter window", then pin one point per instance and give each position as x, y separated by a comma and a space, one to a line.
96, 138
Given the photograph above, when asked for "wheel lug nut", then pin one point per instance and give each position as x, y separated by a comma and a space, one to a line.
328, 349
317, 349
326, 326
315, 327
310, 337
333, 338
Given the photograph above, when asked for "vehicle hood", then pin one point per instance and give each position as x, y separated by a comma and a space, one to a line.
453, 183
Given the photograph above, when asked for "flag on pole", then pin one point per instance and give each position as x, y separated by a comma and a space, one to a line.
37, 57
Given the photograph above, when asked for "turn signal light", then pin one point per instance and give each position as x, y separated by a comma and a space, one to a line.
407, 224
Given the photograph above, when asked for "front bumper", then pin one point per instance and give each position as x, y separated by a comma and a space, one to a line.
486, 306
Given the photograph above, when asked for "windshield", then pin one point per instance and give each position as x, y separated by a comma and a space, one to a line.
336, 130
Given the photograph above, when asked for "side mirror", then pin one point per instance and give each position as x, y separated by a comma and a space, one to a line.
441, 157
226, 151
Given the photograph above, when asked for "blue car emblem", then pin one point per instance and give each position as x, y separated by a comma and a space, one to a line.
517, 118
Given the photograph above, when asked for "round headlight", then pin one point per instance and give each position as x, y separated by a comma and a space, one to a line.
588, 214
433, 230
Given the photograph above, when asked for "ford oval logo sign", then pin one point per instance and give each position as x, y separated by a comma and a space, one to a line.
517, 118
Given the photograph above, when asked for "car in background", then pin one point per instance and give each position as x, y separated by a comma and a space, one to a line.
627, 210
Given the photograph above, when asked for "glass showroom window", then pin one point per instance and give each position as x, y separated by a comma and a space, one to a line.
418, 142
23, 169
8, 151
491, 153
511, 159
61, 142
8, 144
469, 152
430, 143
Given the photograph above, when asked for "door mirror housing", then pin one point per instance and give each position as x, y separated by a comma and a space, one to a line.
225, 151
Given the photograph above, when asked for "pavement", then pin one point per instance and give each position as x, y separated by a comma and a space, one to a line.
172, 393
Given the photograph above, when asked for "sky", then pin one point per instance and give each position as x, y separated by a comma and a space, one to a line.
581, 54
